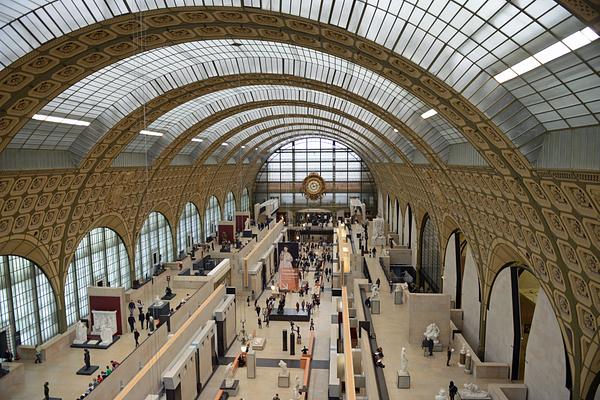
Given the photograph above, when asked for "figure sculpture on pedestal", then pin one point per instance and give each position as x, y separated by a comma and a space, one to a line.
247, 224
229, 375
80, 333
86, 358
473, 390
285, 258
441, 395
374, 291
403, 362
432, 332
284, 369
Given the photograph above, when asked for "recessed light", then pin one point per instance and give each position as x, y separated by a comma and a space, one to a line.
428, 114
396, 130
526, 65
224, 144
60, 120
197, 140
151, 133
243, 146
568, 44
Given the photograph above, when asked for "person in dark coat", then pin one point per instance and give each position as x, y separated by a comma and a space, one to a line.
136, 336
131, 321
46, 391
142, 318
452, 390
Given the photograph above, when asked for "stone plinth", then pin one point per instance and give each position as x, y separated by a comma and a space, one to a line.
283, 381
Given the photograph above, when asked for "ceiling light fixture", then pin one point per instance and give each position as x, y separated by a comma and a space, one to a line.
60, 120
552, 52
243, 146
151, 133
428, 114
396, 130
197, 140
224, 144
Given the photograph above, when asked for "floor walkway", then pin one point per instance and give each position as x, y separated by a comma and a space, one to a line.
264, 386
428, 374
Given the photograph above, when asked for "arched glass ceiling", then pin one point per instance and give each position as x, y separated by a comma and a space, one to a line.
216, 132
464, 43
111, 93
368, 150
185, 116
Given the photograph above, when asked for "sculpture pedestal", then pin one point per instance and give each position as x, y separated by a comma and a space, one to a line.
375, 306
87, 371
283, 381
403, 380
230, 390
250, 365
398, 297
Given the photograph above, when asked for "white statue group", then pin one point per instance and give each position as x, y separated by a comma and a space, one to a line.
432, 332
374, 291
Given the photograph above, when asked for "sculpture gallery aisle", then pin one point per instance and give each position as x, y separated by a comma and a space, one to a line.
427, 374
264, 386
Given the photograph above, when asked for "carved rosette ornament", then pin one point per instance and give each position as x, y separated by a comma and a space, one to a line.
313, 186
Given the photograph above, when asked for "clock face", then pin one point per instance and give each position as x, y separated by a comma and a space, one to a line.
314, 186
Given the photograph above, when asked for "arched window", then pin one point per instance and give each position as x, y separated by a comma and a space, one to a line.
245, 200
189, 226
229, 208
26, 295
154, 245
212, 216
346, 175
100, 256
430, 258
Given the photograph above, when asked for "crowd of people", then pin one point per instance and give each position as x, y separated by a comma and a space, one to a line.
99, 379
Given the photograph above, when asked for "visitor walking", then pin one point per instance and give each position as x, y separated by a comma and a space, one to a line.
131, 321
136, 336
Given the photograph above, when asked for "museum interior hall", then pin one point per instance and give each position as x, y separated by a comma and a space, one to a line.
300, 199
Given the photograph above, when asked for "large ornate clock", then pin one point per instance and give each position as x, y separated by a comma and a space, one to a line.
313, 186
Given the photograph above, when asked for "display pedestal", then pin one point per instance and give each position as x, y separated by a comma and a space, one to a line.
375, 306
398, 297
468, 363
230, 390
461, 358
403, 380
251, 365
87, 371
283, 381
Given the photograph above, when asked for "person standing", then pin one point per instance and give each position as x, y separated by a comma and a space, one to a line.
46, 391
136, 336
131, 321
449, 352
257, 309
259, 323
452, 390
312, 324
142, 318
378, 283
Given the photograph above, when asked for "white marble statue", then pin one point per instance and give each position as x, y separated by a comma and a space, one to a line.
80, 333
229, 375
464, 349
296, 394
471, 390
106, 335
432, 332
104, 318
378, 238
441, 395
247, 224
297, 380
374, 291
403, 362
285, 258
284, 368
